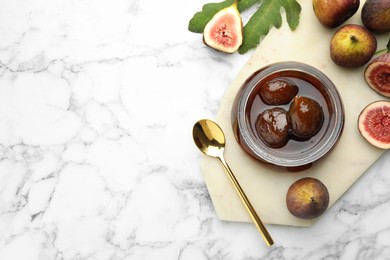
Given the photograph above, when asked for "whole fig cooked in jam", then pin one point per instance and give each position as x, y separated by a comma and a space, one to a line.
272, 125
278, 92
306, 117
285, 115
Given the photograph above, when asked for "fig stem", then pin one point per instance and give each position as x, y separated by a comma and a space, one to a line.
380, 51
388, 46
353, 38
387, 49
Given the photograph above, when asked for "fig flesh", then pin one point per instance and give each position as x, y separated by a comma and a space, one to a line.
306, 117
224, 31
278, 92
374, 124
375, 15
272, 126
377, 74
307, 198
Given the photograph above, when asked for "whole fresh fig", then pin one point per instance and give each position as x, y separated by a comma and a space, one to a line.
224, 31
352, 46
376, 15
332, 13
307, 198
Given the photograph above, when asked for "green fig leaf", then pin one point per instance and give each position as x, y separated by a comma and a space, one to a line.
266, 16
242, 5
200, 19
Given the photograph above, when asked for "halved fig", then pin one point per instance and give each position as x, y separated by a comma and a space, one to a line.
374, 123
377, 74
224, 31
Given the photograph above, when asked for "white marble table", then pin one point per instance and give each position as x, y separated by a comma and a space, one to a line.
97, 103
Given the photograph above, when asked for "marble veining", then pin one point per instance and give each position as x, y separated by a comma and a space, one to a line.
97, 103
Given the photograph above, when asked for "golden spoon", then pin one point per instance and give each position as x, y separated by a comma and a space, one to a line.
210, 140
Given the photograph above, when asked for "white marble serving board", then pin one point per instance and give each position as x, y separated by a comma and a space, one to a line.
266, 186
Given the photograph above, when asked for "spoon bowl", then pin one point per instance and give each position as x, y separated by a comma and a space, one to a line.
210, 140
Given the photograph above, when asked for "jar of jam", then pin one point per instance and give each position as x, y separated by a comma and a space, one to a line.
298, 96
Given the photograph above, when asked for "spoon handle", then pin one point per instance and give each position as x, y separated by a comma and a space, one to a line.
252, 212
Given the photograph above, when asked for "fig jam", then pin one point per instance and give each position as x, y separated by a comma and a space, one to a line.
299, 150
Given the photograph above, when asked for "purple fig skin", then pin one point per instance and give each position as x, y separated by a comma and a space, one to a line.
377, 74
307, 198
375, 15
332, 13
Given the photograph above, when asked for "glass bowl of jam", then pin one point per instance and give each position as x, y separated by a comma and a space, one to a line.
288, 114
